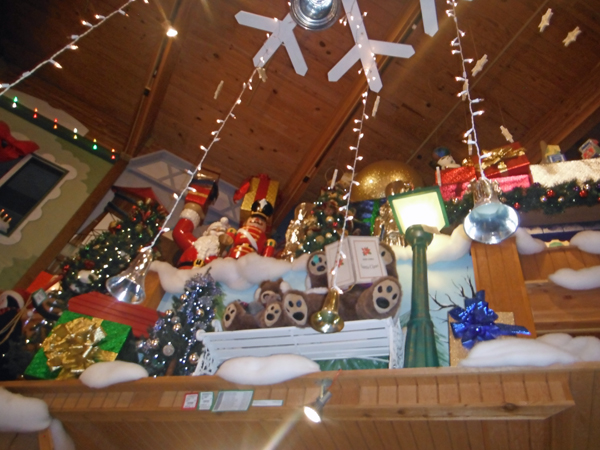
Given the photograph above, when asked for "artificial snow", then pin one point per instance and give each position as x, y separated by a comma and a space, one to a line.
103, 374
587, 241
588, 278
273, 369
22, 414
236, 274
442, 248
556, 348
60, 438
528, 245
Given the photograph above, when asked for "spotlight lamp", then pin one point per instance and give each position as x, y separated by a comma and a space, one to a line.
419, 214
314, 410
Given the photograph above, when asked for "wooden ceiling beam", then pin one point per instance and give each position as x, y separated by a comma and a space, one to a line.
298, 183
566, 123
158, 80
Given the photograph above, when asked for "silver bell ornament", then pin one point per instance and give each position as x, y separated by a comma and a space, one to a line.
128, 286
490, 221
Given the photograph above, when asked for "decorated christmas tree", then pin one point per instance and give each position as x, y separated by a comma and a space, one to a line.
173, 347
323, 224
109, 253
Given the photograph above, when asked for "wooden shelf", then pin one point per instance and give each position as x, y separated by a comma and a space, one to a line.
466, 405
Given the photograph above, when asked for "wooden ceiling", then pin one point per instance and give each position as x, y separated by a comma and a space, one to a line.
139, 92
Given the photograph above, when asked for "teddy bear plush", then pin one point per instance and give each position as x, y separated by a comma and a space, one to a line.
235, 317
389, 259
380, 300
299, 306
272, 316
270, 291
316, 270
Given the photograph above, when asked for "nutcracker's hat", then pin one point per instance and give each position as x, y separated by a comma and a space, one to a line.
262, 208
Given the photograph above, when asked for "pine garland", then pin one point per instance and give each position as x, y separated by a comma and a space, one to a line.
550, 200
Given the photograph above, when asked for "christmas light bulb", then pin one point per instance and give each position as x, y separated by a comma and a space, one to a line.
171, 32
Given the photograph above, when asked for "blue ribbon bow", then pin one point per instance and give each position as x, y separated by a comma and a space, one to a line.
476, 322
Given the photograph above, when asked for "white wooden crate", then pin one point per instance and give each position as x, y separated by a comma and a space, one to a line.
359, 339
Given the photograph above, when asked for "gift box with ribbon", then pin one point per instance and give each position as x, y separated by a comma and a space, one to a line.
505, 161
506, 184
76, 342
95, 304
458, 175
477, 322
255, 189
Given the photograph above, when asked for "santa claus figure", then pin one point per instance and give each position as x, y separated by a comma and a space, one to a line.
252, 237
200, 251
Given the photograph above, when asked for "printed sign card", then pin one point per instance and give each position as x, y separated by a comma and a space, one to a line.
363, 262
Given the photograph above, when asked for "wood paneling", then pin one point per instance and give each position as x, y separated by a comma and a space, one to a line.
498, 272
557, 309
433, 409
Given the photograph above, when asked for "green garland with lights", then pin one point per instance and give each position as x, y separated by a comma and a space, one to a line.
553, 200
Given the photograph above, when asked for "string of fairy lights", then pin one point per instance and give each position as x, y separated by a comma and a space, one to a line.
470, 136
70, 46
215, 138
352, 168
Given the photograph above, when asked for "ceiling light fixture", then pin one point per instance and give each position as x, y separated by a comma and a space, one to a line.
315, 15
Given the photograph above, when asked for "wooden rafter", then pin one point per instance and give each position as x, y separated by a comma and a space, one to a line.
298, 183
158, 79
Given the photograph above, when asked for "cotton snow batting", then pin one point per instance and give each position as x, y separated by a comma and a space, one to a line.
104, 374
22, 414
555, 348
587, 241
577, 280
272, 369
528, 245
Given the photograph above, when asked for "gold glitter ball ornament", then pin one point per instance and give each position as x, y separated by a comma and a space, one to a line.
375, 177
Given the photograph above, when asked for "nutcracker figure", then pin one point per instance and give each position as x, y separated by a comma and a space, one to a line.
252, 237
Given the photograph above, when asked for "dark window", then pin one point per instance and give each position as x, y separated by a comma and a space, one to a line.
22, 190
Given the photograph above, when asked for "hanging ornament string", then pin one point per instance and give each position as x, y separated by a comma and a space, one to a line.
70, 46
192, 173
470, 136
354, 148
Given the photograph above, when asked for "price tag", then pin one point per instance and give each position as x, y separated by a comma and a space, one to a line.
190, 401
233, 401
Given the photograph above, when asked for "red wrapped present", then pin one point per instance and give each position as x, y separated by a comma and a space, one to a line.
456, 190
95, 304
506, 184
463, 174
505, 161
255, 189
508, 168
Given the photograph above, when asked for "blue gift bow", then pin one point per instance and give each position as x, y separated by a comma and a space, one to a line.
476, 322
